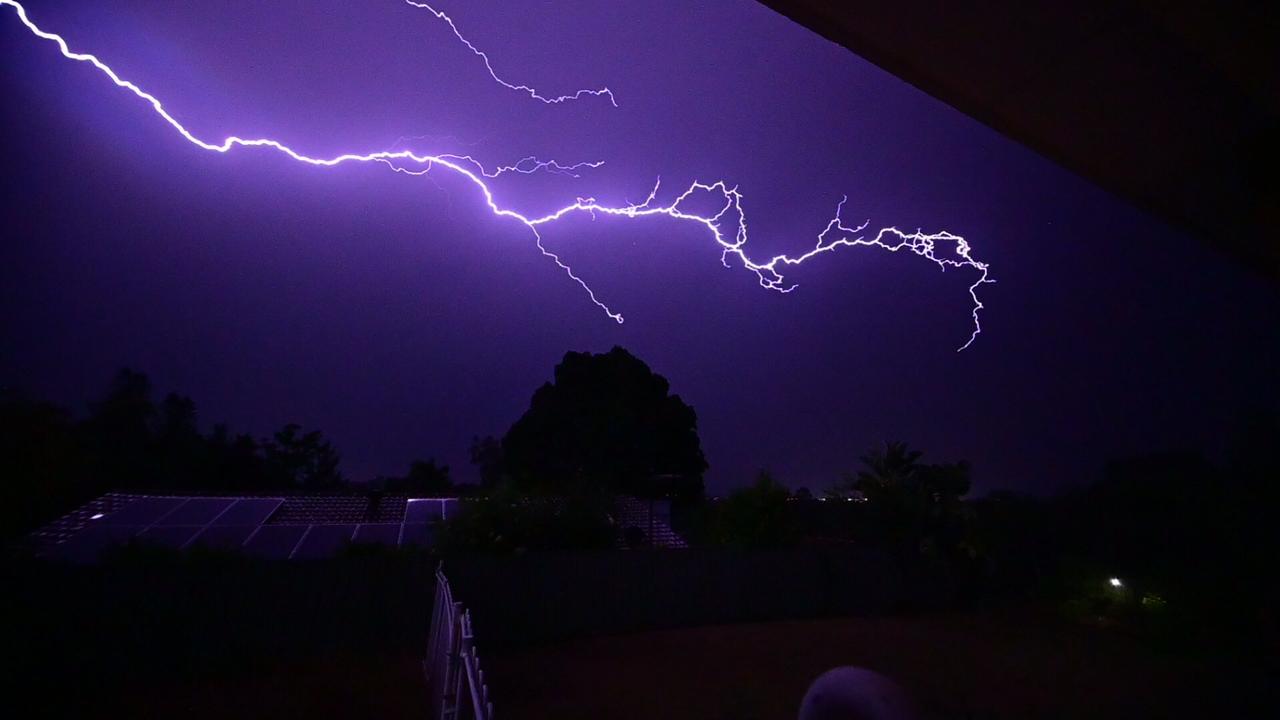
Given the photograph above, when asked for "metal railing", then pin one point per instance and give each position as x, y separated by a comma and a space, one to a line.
452, 666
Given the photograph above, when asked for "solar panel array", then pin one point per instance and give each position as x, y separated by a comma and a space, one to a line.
295, 527
651, 518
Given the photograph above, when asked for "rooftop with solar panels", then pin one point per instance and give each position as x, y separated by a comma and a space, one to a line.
283, 527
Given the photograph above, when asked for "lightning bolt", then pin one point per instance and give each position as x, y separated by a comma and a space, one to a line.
605, 92
727, 226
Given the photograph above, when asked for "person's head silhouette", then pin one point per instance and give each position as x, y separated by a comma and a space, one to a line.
850, 693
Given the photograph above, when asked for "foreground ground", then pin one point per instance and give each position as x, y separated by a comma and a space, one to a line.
335, 686
1021, 665
974, 666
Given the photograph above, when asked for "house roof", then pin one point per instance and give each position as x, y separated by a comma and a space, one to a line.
282, 527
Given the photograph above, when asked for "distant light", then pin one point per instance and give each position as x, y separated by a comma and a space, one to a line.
97, 516
1115, 582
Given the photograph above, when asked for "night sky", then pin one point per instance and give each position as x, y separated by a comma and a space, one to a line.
400, 317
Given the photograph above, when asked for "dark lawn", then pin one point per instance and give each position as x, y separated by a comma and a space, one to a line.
1011, 665
336, 686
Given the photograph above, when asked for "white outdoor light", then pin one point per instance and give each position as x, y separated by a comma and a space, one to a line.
97, 516
1115, 582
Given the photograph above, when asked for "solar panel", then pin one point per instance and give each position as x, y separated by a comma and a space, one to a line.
274, 541
300, 526
143, 511
170, 536
419, 511
249, 511
197, 511
223, 537
323, 541
380, 533
418, 535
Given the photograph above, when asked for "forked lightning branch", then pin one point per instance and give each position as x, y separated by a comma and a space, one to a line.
727, 225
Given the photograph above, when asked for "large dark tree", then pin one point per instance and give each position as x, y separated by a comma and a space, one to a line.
606, 422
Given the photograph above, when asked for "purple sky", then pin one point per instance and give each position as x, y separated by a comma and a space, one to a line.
402, 318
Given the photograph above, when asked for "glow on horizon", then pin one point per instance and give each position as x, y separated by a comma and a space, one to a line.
728, 221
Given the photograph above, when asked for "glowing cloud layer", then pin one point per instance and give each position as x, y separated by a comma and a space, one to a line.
727, 226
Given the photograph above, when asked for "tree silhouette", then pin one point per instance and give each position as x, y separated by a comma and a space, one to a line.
424, 478
177, 418
915, 506
180, 450
607, 422
43, 464
303, 460
119, 436
52, 462
235, 462
506, 520
888, 471
486, 455
757, 515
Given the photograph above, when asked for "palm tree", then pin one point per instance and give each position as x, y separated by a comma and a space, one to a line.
890, 469
915, 503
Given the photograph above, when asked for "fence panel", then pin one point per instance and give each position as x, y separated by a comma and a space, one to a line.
452, 665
